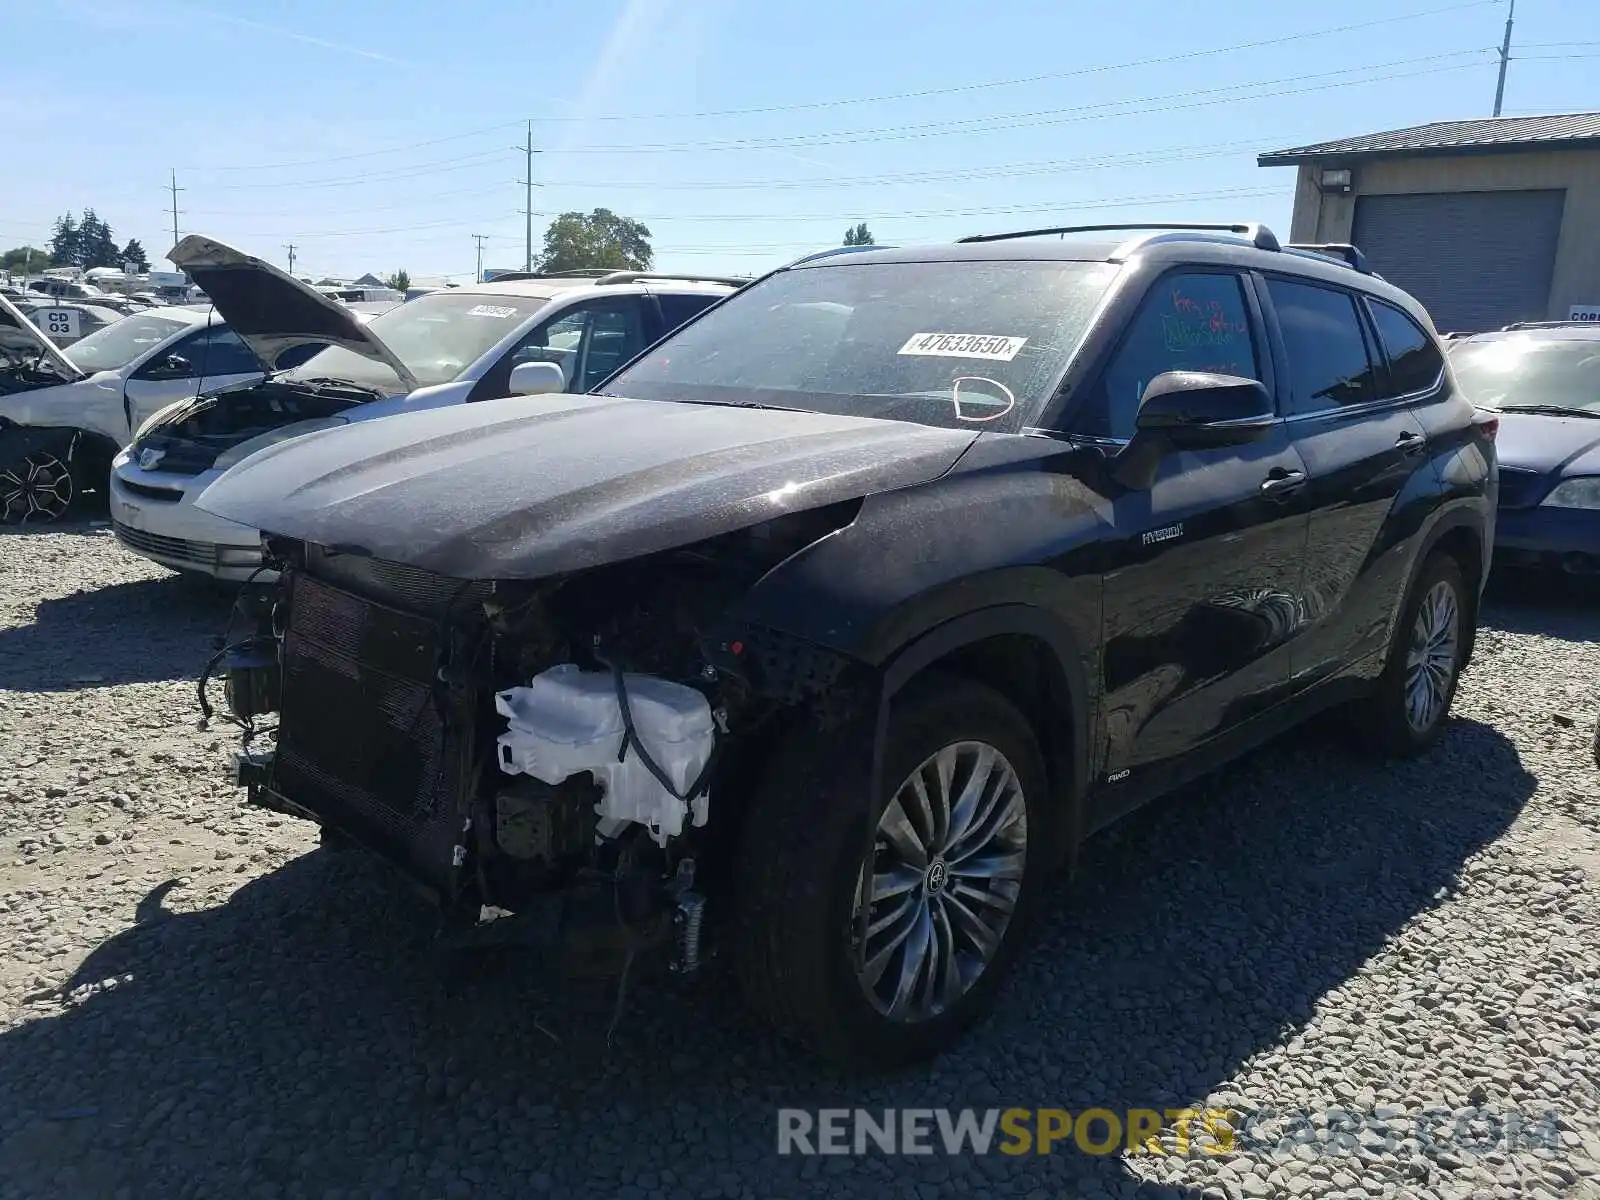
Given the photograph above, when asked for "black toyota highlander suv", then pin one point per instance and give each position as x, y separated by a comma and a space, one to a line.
826, 632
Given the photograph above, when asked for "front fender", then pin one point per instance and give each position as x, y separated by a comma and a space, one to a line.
18, 442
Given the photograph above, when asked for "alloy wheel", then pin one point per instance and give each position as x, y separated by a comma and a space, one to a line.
37, 490
943, 882
1431, 657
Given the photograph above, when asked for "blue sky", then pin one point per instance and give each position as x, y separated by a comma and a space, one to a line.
377, 135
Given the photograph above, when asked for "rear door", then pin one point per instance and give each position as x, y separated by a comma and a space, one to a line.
1202, 591
1362, 445
207, 359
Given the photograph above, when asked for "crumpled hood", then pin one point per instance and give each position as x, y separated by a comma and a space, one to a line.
20, 332
1546, 444
525, 487
273, 311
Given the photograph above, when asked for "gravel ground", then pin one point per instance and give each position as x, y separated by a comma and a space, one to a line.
195, 1001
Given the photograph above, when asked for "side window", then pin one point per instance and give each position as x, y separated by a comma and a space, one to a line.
559, 341
1188, 322
223, 352
675, 310
1414, 361
188, 348
616, 334
1329, 366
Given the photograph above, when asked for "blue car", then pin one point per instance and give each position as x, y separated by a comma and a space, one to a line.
1544, 380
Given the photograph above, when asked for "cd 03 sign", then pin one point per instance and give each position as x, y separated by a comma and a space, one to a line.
1584, 312
59, 322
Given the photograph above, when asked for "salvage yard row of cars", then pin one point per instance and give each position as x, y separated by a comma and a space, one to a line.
816, 620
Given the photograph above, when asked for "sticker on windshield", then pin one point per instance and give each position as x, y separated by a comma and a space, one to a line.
491, 310
964, 345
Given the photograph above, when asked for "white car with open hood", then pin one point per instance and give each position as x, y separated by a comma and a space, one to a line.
534, 335
64, 414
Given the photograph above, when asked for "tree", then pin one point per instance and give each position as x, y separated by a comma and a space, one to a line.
400, 280
133, 254
95, 246
602, 239
25, 258
859, 235
64, 241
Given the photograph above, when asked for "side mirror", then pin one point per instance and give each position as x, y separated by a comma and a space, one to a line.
1196, 410
1192, 410
173, 366
537, 379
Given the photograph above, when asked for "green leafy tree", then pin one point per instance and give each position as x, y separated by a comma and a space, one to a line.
400, 280
64, 241
601, 239
859, 235
95, 245
25, 258
134, 255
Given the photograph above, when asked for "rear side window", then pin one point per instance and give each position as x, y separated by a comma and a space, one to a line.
675, 310
1188, 322
1329, 366
1414, 361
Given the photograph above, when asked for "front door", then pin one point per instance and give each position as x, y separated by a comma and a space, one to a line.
1362, 445
1202, 599
207, 359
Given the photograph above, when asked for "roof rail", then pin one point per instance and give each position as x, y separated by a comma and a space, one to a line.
688, 277
834, 251
1515, 325
1260, 236
1350, 255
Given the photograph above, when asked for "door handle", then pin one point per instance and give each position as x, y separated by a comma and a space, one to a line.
1280, 482
1409, 443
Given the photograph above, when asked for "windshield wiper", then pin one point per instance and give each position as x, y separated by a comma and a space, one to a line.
327, 382
1550, 410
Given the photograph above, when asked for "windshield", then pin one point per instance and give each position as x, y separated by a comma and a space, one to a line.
437, 336
965, 344
119, 343
1528, 370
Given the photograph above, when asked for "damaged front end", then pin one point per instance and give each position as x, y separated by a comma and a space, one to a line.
559, 761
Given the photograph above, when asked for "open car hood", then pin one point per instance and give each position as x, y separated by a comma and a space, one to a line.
16, 329
272, 311
522, 488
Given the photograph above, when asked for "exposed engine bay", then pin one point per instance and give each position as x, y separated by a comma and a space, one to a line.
568, 752
195, 433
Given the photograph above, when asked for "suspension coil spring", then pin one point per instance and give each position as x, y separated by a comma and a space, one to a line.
687, 920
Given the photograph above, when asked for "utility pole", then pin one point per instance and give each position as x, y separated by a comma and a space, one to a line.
289, 246
1505, 58
527, 208
479, 238
175, 189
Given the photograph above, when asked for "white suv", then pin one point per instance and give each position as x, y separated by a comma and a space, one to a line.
446, 347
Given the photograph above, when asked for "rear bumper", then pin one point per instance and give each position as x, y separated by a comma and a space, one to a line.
1548, 537
153, 514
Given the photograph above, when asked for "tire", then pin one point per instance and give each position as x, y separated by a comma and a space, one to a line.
800, 873
1388, 721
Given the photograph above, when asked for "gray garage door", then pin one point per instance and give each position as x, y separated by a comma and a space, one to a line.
1477, 260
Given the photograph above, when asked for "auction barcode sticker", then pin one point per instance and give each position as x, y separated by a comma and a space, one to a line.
964, 345
500, 311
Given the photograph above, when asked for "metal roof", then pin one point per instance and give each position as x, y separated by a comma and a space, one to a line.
1491, 135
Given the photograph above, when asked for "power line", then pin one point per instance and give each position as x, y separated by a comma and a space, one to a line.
924, 93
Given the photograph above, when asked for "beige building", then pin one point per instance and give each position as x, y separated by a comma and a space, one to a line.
1486, 222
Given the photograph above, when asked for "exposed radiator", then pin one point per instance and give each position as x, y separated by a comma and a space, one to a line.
361, 741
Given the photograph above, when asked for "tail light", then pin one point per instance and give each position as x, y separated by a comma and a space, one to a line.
1487, 421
